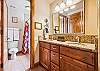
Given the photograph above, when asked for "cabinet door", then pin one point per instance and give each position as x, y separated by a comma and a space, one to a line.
68, 64
46, 57
41, 59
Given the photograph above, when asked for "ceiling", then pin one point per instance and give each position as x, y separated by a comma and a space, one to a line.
50, 1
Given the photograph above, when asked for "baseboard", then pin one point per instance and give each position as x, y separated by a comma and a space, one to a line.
1, 65
36, 64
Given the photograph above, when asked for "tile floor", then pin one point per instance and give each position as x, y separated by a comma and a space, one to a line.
21, 63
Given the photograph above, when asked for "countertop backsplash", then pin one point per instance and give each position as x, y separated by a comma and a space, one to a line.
93, 39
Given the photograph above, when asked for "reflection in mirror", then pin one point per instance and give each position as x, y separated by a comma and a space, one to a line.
68, 18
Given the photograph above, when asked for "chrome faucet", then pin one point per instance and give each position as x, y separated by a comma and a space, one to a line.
78, 39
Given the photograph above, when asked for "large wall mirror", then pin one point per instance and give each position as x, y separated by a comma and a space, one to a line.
68, 18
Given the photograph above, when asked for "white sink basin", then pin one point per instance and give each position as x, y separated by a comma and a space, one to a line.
69, 42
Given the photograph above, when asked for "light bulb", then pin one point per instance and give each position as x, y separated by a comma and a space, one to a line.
67, 9
72, 7
57, 8
69, 2
61, 11
62, 5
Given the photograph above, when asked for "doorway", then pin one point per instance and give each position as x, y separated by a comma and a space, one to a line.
17, 31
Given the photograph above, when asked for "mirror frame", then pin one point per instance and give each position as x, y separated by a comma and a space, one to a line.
70, 33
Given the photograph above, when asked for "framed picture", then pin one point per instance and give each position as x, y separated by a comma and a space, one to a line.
14, 19
38, 25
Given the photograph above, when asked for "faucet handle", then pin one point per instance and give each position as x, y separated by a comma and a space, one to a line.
77, 37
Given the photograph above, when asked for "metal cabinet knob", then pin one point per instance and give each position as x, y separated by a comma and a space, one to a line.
60, 57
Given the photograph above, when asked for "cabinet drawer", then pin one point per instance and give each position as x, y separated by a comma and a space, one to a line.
55, 57
55, 48
86, 57
69, 64
54, 67
45, 45
91, 68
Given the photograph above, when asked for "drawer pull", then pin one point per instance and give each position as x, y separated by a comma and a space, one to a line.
54, 48
60, 57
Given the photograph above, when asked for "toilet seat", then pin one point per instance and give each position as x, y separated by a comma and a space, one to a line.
13, 52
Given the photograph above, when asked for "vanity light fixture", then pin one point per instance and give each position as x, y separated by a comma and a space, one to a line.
61, 11
69, 2
57, 8
72, 7
67, 9
62, 5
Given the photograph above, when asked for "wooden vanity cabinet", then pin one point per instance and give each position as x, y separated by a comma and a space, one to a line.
64, 58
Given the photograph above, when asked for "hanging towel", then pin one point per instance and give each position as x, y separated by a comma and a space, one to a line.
26, 37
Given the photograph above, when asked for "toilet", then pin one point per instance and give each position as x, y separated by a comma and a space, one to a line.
13, 49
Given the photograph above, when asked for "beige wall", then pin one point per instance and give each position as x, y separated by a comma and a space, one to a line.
41, 12
91, 26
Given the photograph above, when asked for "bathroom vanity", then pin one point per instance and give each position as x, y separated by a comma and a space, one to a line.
67, 56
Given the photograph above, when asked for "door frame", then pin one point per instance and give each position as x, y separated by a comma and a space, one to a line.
1, 31
32, 7
32, 12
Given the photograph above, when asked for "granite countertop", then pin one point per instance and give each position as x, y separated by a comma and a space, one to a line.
81, 46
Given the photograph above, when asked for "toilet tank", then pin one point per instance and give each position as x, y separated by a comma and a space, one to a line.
13, 44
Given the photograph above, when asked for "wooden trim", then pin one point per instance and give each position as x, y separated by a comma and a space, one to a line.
31, 34
63, 24
52, 25
1, 65
84, 16
32, 54
36, 64
59, 24
2, 23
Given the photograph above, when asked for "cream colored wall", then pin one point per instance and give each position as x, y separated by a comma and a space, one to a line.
41, 12
91, 26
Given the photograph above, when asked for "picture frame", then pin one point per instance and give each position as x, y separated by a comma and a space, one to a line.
38, 25
14, 19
